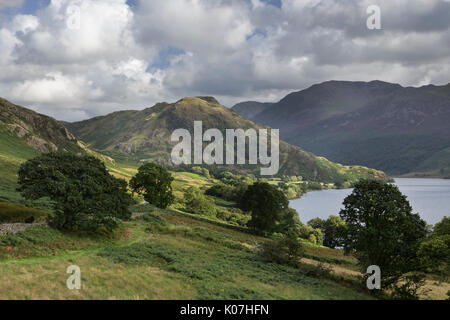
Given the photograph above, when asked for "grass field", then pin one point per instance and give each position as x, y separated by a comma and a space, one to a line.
164, 255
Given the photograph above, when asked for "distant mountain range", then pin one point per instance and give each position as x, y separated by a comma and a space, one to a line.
400, 130
146, 135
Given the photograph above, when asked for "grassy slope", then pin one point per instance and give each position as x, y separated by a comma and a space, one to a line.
13, 151
33, 264
185, 257
189, 257
171, 256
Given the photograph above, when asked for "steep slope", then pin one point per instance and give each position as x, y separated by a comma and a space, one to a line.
376, 124
24, 134
251, 109
146, 135
38, 131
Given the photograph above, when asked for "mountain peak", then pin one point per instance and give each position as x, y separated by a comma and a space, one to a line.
198, 101
209, 99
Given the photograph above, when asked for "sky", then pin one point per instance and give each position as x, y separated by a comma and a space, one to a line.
75, 59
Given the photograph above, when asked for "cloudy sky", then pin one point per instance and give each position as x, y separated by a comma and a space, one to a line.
74, 59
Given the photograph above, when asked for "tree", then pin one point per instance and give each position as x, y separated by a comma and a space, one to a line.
85, 196
196, 202
268, 207
382, 230
434, 252
442, 228
316, 223
313, 235
154, 182
333, 230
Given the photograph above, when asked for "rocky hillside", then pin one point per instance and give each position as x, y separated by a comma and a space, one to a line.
24, 134
38, 131
376, 124
146, 135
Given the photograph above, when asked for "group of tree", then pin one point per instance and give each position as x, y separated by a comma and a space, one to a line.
85, 196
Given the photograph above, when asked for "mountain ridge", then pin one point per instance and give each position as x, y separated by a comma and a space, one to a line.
400, 130
146, 134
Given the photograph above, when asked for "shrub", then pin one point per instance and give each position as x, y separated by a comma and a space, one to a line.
227, 192
286, 249
320, 270
196, 202
333, 230
236, 218
407, 288
201, 171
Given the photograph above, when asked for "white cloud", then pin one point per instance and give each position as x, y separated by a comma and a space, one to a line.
56, 88
194, 24
234, 49
24, 23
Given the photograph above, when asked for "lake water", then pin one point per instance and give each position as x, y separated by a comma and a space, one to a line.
428, 197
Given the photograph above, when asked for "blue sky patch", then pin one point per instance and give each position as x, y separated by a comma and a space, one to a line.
165, 55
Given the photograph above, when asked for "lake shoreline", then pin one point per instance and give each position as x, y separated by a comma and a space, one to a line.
430, 197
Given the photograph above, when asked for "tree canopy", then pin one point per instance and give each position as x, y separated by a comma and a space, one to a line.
85, 196
268, 207
154, 182
333, 230
382, 230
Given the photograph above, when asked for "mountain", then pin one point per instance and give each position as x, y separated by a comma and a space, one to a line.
146, 135
250, 109
38, 131
400, 130
24, 134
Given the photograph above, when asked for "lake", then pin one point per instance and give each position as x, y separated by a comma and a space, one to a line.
428, 197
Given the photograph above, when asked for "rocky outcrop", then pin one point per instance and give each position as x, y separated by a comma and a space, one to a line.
14, 228
40, 132
40, 144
